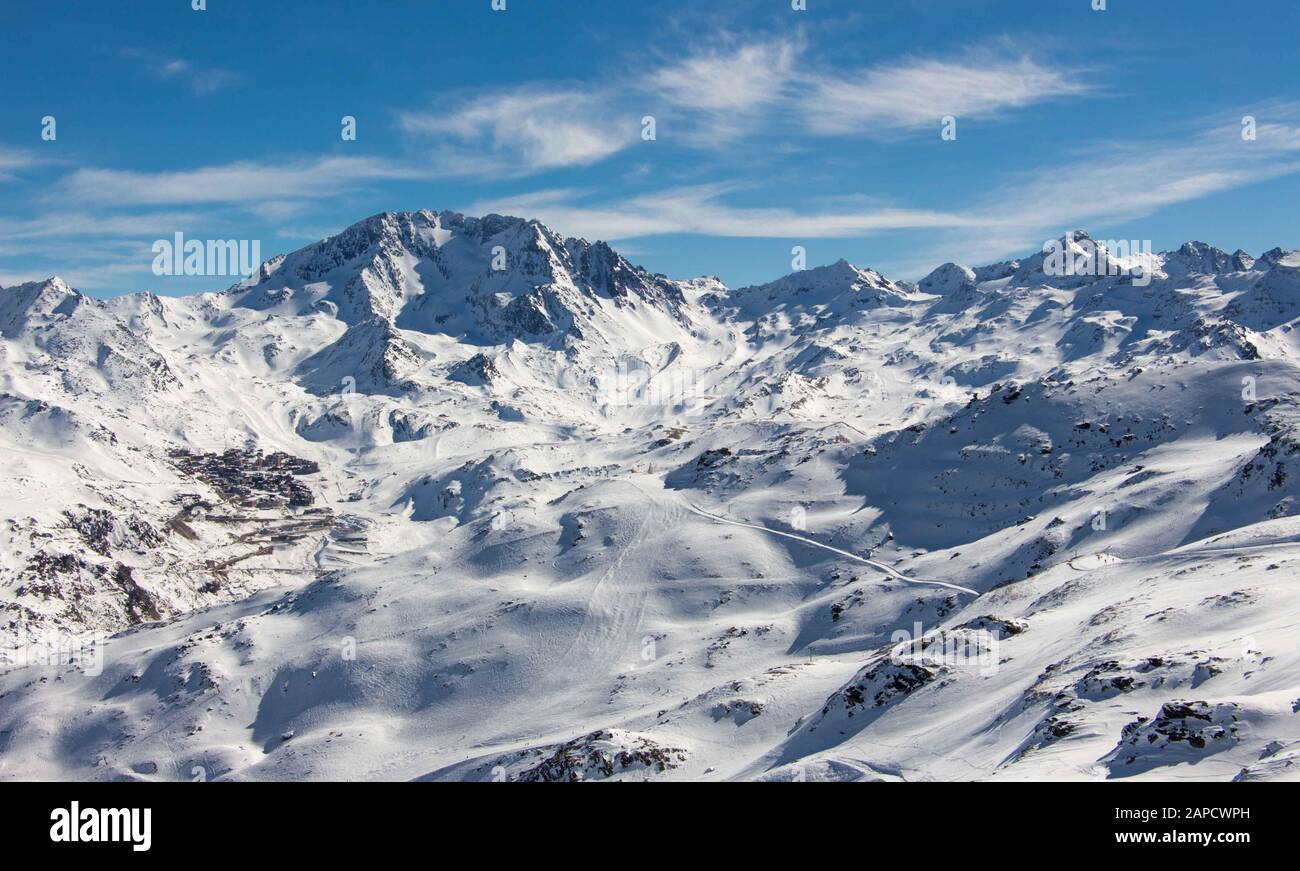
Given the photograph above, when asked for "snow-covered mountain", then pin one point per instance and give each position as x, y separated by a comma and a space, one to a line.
459, 498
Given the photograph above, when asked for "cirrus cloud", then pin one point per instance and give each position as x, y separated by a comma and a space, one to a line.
530, 128
711, 98
245, 181
917, 93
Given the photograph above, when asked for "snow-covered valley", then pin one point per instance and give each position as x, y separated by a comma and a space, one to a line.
453, 498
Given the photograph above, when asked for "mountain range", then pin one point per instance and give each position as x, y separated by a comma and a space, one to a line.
444, 497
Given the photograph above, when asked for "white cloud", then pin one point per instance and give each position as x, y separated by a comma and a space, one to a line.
80, 225
87, 250
702, 210
1110, 184
84, 265
1120, 182
12, 159
232, 183
714, 95
133, 274
200, 80
275, 211
527, 130
919, 93
748, 78
711, 98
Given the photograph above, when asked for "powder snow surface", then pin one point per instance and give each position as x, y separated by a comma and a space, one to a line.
385, 511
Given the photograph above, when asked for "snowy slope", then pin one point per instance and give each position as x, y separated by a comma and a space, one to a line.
459, 498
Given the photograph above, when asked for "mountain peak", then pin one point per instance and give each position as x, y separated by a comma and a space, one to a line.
53, 284
1199, 258
838, 286
491, 277
948, 279
839, 275
20, 303
53, 289
1272, 257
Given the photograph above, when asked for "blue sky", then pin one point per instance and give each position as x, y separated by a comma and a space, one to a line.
773, 127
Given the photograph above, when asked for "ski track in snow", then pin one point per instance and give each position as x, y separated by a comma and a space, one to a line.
614, 605
893, 573
507, 519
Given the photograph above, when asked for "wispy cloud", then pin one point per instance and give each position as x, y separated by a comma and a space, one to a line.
531, 129
1116, 182
919, 92
777, 88
724, 94
123, 272
232, 183
711, 98
200, 80
88, 250
13, 159
703, 210
85, 225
